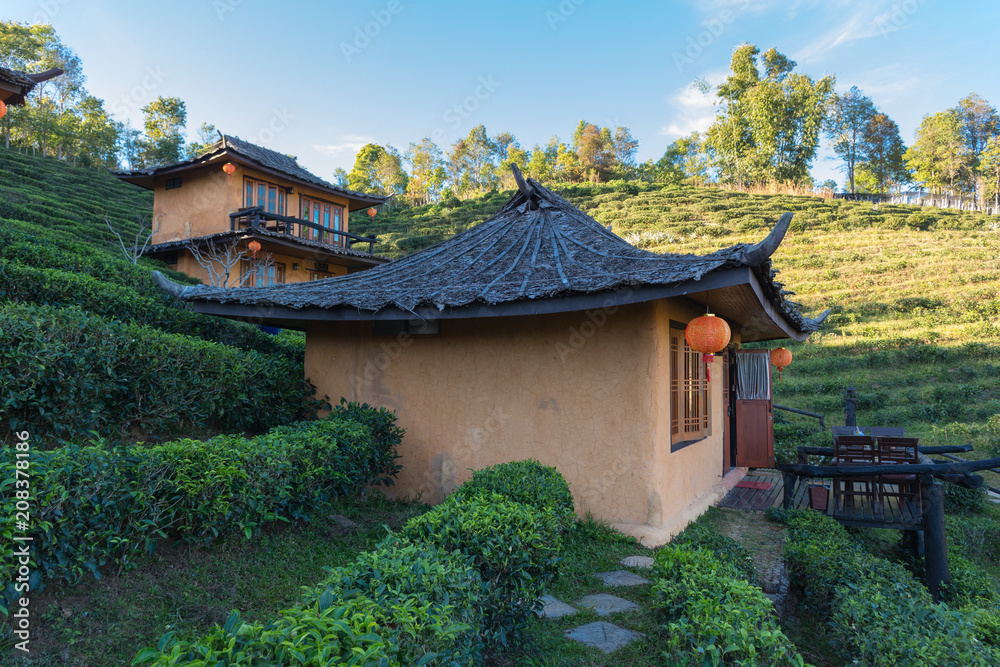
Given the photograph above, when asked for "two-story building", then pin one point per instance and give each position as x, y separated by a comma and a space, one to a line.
253, 201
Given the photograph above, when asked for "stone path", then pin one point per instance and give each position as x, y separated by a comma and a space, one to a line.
603, 635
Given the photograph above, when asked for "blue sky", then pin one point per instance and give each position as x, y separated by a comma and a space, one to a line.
320, 79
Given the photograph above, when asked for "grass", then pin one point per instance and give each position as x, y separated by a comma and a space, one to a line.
188, 590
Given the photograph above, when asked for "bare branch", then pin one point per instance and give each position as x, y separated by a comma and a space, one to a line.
220, 260
135, 252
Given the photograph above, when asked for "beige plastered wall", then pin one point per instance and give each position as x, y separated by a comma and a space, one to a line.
586, 392
201, 206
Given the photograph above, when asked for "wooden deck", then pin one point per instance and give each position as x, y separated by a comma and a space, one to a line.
891, 515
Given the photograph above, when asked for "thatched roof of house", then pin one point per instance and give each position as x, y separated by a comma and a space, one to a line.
229, 147
18, 84
538, 249
322, 249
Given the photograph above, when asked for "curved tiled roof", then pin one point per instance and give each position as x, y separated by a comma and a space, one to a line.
538, 246
264, 157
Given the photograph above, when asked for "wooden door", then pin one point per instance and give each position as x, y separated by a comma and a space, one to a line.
754, 431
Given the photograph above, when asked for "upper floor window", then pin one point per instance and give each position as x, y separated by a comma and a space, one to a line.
269, 196
324, 214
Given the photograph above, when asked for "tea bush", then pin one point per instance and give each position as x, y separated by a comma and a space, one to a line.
515, 548
400, 573
714, 616
528, 482
69, 374
880, 614
99, 504
726, 549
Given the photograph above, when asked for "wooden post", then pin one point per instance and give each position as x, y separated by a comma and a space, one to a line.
850, 401
935, 544
788, 492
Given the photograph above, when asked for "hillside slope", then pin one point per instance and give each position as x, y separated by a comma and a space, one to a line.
916, 316
68, 296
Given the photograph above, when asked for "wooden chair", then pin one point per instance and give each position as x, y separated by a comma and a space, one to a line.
854, 450
891, 431
899, 490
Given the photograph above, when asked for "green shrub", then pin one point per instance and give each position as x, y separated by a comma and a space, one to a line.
880, 614
960, 499
401, 574
714, 616
514, 547
388, 436
726, 549
528, 482
69, 374
885, 617
341, 635
97, 504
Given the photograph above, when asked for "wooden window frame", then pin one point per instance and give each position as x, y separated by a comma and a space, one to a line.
322, 213
690, 394
279, 275
280, 197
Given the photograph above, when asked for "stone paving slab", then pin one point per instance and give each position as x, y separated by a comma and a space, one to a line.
621, 578
644, 562
605, 636
553, 607
604, 604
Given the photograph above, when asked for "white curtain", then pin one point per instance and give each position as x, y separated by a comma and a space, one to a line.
753, 377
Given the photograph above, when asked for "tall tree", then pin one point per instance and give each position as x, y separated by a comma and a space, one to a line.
845, 125
595, 151
989, 163
363, 176
881, 150
427, 173
770, 118
164, 119
472, 167
624, 146
685, 160
378, 170
980, 123
207, 135
940, 158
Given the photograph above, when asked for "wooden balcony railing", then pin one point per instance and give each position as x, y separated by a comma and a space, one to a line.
256, 218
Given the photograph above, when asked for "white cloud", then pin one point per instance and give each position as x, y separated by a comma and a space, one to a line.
691, 109
351, 144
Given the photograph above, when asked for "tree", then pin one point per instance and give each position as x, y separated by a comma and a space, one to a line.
624, 146
340, 178
164, 120
541, 166
378, 170
881, 149
391, 178
427, 174
221, 261
989, 164
979, 123
207, 136
685, 160
135, 251
939, 158
767, 128
472, 166
845, 124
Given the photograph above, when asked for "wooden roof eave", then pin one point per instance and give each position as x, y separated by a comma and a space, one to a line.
147, 181
698, 290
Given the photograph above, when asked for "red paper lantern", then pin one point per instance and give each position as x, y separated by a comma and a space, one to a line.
707, 334
781, 357
254, 247
3, 109
229, 168
371, 213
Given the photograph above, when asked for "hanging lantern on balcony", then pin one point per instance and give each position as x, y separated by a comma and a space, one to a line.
371, 213
3, 109
229, 168
780, 357
707, 334
254, 247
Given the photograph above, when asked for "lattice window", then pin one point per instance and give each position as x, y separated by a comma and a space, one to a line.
690, 415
